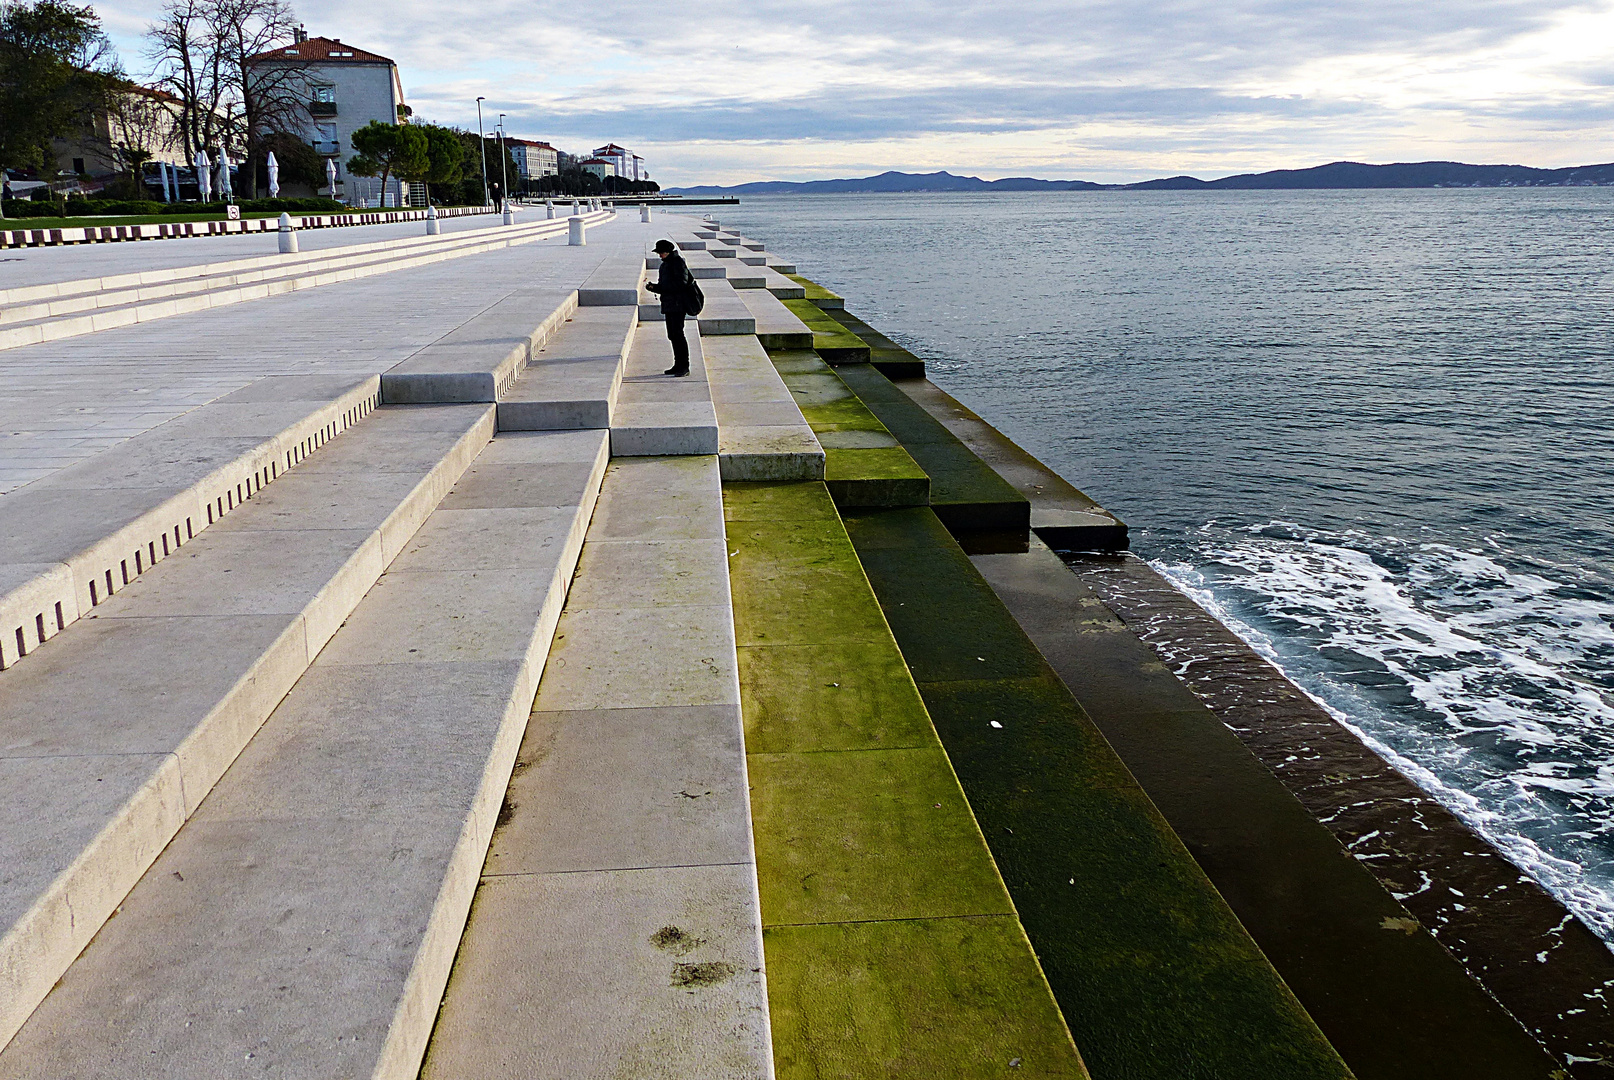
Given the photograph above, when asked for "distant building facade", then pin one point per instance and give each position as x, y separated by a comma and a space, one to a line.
534, 159
624, 163
601, 167
138, 118
347, 88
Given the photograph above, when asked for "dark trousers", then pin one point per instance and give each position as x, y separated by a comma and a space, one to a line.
675, 334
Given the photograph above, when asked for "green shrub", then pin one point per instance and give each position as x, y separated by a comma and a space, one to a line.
24, 208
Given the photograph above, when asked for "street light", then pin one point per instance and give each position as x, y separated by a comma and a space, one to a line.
482, 142
504, 173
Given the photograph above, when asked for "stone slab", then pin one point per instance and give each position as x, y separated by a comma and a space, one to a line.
479, 360
777, 326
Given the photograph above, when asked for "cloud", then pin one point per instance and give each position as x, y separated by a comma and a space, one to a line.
1104, 89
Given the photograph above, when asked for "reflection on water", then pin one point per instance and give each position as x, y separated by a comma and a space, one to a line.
1373, 431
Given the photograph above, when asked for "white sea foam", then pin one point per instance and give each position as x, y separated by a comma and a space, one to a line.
1482, 683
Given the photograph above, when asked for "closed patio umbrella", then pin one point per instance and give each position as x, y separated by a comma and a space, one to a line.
224, 175
204, 178
330, 175
274, 176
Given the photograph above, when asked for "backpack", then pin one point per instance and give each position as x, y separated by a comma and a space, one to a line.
694, 299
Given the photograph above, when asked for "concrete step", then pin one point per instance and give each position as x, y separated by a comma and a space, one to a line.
128, 308
725, 312
778, 327
615, 283
657, 414
761, 433
114, 735
833, 341
480, 360
864, 464
781, 286
783, 266
616, 930
741, 276
816, 293
71, 540
572, 381
304, 921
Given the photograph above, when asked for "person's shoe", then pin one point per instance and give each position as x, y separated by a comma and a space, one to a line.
675, 373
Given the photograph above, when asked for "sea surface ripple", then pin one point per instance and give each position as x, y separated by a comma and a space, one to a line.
1373, 431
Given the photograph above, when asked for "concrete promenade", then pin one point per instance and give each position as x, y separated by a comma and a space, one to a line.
400, 676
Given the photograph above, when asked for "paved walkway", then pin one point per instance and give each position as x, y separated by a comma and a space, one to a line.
62, 402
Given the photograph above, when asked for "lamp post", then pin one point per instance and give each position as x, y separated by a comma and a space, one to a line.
504, 172
482, 144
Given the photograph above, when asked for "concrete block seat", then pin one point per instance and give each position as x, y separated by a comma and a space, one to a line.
966, 494
761, 432
781, 286
615, 283
864, 465
303, 922
833, 341
87, 306
115, 733
778, 327
480, 360
572, 381
741, 276
71, 540
660, 415
616, 930
725, 312
782, 265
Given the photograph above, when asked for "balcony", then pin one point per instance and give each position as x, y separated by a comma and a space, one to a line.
327, 149
322, 108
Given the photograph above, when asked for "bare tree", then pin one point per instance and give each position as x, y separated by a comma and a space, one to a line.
272, 97
187, 64
204, 53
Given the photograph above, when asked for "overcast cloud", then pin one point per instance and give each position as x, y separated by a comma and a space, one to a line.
1100, 90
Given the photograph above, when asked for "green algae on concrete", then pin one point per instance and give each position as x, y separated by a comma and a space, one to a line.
964, 491
864, 464
817, 294
891, 943
888, 358
1155, 975
831, 340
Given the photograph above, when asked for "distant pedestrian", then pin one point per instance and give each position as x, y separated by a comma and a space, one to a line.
674, 286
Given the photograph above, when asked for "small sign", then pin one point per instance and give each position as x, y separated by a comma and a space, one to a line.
233, 212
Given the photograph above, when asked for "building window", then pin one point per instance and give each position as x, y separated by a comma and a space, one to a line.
325, 93
78, 165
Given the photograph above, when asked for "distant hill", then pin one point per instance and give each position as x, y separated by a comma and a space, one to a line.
1338, 174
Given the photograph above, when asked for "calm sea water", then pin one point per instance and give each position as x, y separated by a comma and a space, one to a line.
1372, 431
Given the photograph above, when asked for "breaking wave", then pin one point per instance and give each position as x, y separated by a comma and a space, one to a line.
1490, 686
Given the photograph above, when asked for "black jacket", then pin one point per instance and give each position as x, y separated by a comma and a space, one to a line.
673, 285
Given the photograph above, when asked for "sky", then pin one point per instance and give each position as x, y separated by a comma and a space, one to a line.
726, 92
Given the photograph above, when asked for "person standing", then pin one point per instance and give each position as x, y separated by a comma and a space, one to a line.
672, 285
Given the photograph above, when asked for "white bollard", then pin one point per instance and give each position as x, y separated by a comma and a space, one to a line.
434, 227
644, 211
288, 235
509, 214
549, 208
577, 208
574, 232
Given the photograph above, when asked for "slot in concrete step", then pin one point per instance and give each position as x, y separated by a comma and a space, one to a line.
304, 921
761, 433
71, 540
657, 414
480, 360
210, 296
573, 381
778, 327
115, 735
616, 930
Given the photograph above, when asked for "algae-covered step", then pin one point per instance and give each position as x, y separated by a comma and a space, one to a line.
892, 947
832, 341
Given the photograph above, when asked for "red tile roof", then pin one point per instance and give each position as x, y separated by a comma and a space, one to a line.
321, 49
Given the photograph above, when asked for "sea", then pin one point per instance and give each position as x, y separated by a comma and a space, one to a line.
1371, 431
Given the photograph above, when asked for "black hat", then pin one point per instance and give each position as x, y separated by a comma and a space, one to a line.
666, 245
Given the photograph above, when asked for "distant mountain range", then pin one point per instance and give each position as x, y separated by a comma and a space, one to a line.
1338, 174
